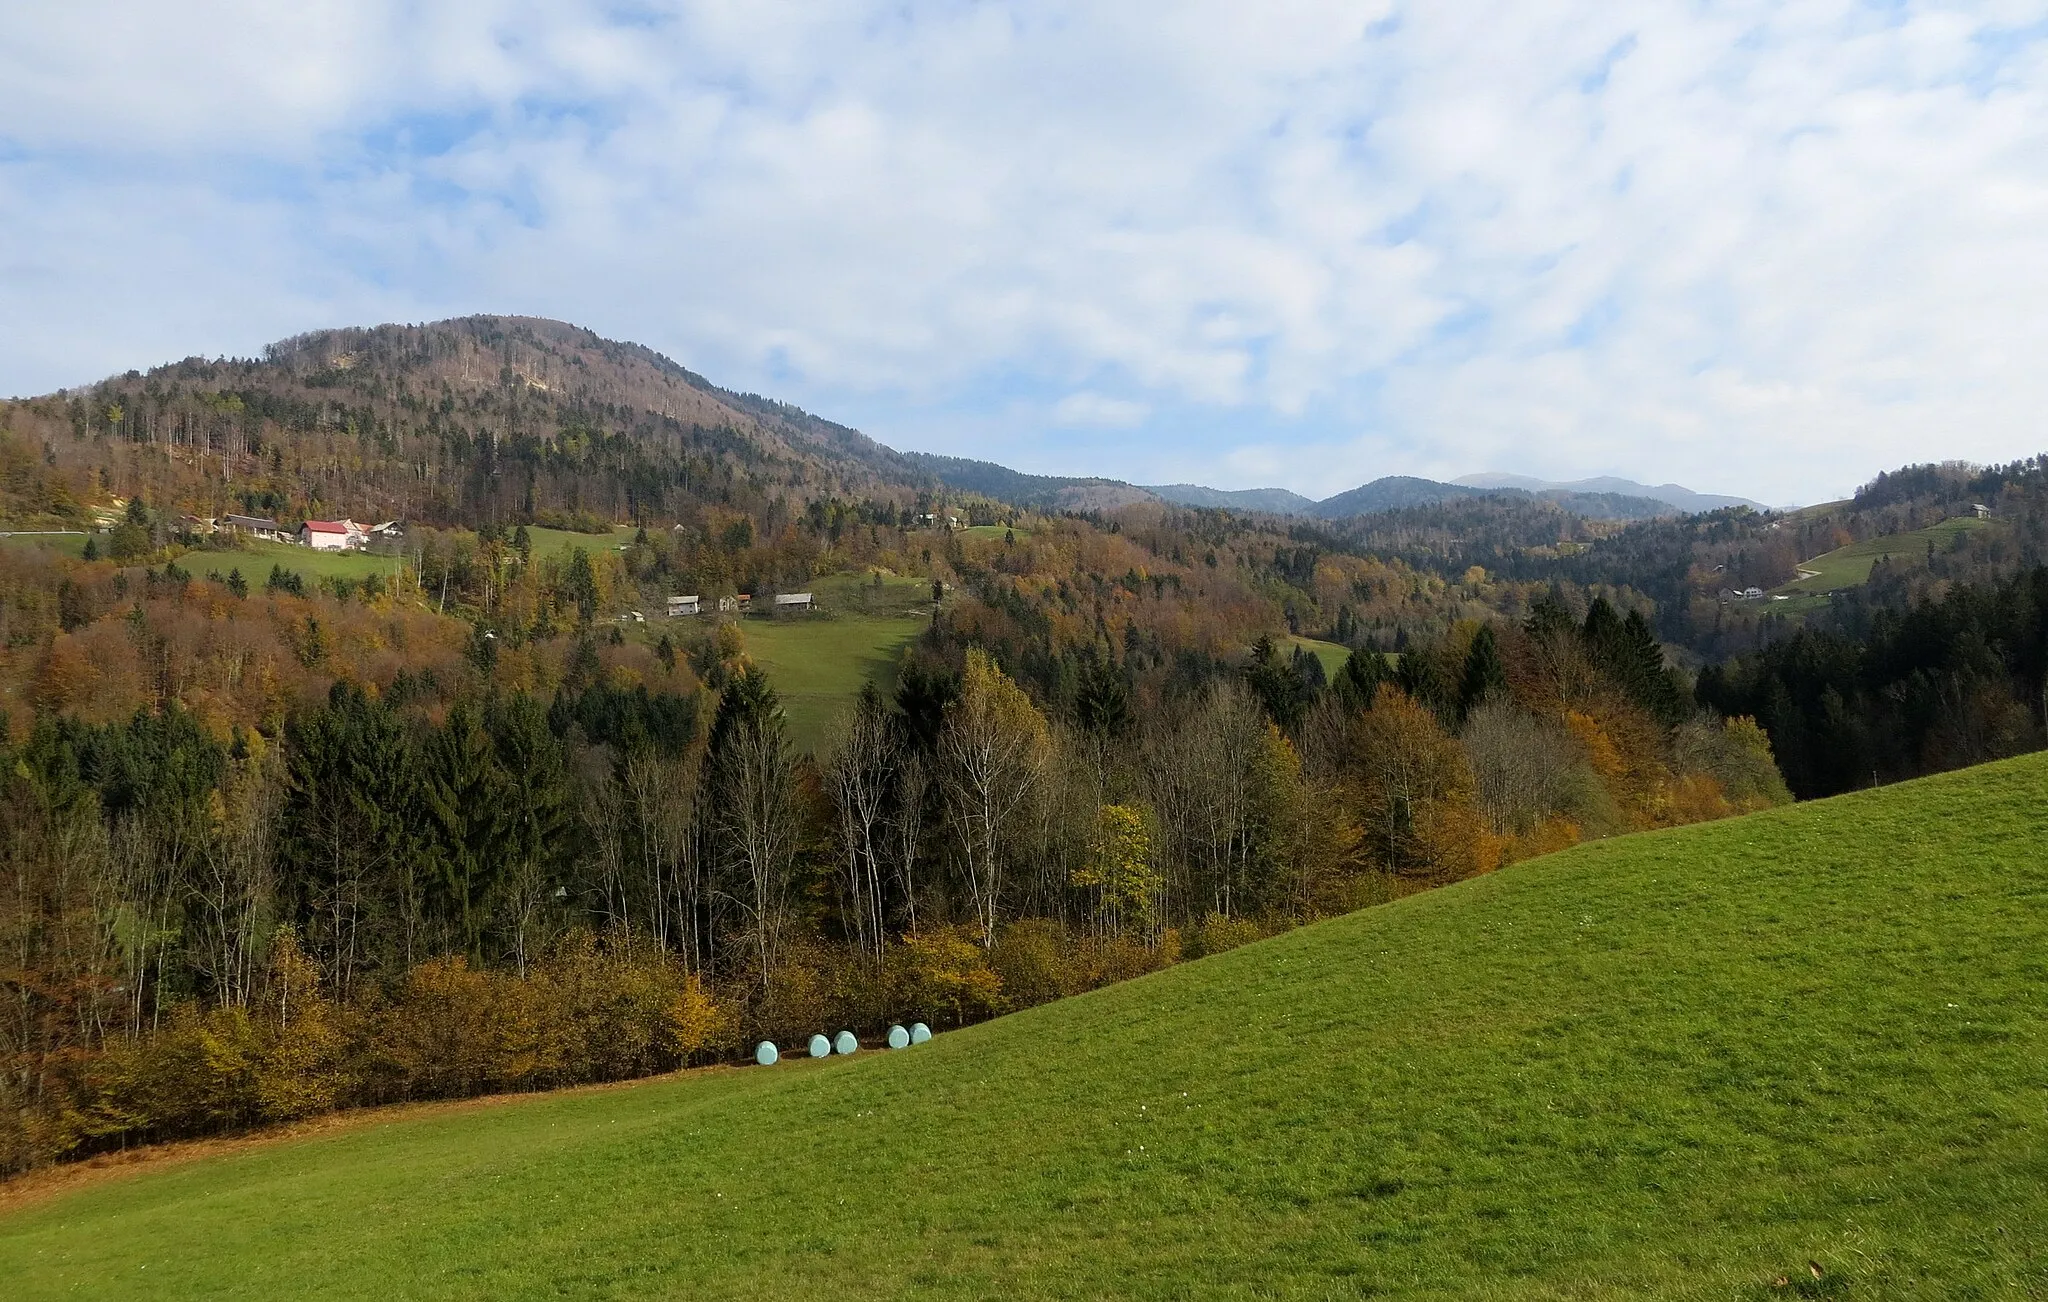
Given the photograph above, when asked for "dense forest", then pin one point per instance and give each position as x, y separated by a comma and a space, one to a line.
273, 843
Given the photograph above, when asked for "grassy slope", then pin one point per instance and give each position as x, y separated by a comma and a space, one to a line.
71, 544
1847, 567
819, 665
254, 560
1676, 1065
1332, 654
819, 662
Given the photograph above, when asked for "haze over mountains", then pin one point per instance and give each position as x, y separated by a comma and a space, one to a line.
1599, 499
1685, 499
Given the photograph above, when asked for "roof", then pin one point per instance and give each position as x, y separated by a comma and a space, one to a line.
249, 521
326, 526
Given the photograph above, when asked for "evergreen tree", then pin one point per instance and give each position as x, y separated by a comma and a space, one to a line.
1103, 701
1358, 682
1484, 675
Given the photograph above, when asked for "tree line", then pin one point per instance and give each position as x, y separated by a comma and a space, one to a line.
397, 895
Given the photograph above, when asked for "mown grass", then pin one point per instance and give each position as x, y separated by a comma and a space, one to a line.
71, 544
1332, 654
255, 557
819, 663
560, 542
819, 660
1847, 567
1678, 1065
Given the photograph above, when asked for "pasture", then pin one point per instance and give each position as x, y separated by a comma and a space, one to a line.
1798, 1054
1847, 567
71, 544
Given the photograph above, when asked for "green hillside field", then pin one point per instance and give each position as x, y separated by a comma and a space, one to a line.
1684, 1064
819, 660
1848, 567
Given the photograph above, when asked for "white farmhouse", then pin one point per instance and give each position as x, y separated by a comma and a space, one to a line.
331, 535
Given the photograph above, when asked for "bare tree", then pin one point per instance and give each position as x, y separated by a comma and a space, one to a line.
756, 819
860, 776
1524, 769
906, 829
663, 796
232, 883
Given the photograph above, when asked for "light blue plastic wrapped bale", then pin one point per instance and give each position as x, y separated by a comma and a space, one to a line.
846, 1043
919, 1033
820, 1047
766, 1055
899, 1038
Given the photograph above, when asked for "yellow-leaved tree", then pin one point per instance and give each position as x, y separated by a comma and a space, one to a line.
1119, 870
993, 751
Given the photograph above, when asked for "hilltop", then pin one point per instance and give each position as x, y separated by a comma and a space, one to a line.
1680, 1064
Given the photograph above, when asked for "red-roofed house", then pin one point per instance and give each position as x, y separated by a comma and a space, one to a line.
330, 535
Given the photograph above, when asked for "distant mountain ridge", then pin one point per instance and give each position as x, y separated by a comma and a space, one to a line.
1678, 495
1591, 498
490, 417
1276, 501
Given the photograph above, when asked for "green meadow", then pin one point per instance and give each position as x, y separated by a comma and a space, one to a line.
254, 559
819, 660
1847, 567
1798, 1054
1332, 654
71, 544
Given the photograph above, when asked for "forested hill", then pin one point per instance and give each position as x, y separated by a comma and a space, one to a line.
471, 421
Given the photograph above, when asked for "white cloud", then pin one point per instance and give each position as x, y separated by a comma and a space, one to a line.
1093, 410
1766, 248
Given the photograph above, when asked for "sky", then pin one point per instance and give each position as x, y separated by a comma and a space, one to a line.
1765, 249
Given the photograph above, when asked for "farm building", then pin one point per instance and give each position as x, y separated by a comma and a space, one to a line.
331, 535
732, 605
792, 601
679, 606
253, 525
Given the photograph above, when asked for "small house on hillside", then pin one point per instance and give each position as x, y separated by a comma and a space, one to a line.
331, 535
1983, 511
255, 526
792, 601
680, 606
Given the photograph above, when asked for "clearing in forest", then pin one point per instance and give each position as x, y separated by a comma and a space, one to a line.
1847, 567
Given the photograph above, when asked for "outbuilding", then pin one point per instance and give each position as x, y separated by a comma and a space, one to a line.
330, 535
253, 525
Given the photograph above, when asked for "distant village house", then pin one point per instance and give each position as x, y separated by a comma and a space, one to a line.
792, 601
254, 526
680, 606
332, 535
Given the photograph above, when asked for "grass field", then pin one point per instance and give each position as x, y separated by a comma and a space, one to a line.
818, 665
1332, 654
819, 661
71, 544
1677, 1065
560, 542
1847, 567
254, 559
